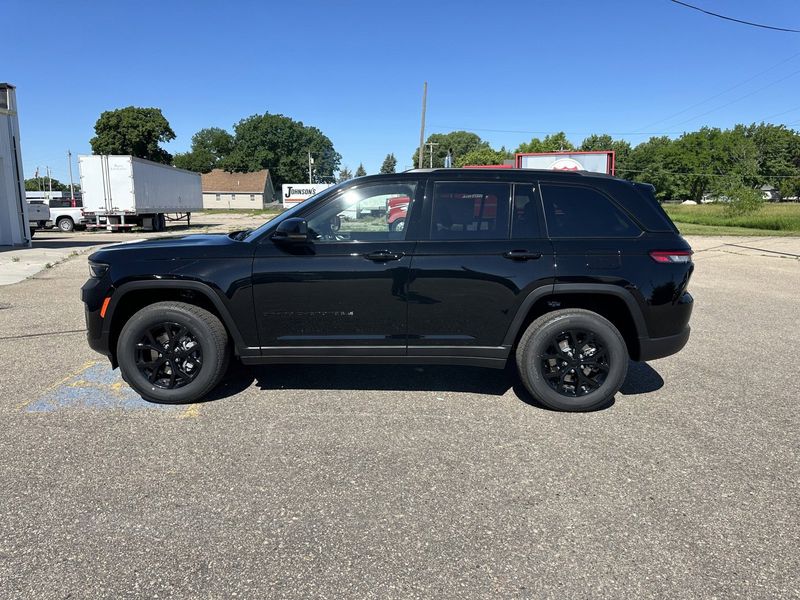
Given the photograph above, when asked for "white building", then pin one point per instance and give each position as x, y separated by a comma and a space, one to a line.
14, 229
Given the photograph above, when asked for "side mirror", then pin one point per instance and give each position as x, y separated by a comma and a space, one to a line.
291, 230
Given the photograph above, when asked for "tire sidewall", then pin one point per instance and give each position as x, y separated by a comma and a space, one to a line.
617, 357
126, 354
65, 224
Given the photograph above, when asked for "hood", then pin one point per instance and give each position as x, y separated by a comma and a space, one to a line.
217, 245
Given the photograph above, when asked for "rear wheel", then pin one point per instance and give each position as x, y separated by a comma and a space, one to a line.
173, 352
398, 225
572, 360
66, 224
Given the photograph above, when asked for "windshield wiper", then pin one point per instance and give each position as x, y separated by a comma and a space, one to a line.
240, 235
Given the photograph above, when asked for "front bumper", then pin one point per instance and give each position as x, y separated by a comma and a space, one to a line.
93, 292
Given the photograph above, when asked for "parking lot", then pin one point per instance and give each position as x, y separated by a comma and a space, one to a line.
398, 482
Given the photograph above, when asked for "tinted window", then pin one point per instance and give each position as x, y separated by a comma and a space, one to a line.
525, 215
374, 212
65, 203
470, 210
577, 211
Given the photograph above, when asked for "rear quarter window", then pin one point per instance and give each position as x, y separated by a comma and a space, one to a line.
573, 211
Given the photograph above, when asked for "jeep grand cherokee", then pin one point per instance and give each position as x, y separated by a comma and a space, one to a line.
566, 274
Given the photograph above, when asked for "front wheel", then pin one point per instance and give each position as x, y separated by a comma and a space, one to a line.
572, 360
173, 352
398, 225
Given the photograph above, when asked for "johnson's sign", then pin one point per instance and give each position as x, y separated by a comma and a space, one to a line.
295, 193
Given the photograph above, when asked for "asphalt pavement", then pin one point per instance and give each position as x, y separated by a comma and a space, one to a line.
401, 482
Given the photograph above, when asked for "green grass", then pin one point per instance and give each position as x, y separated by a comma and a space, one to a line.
712, 219
692, 229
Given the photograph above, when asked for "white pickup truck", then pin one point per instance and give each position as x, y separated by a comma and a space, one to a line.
65, 213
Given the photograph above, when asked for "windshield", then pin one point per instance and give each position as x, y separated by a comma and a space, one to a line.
256, 233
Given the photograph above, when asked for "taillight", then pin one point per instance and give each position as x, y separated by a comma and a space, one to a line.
671, 256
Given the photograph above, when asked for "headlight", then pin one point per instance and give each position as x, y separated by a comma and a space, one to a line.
97, 270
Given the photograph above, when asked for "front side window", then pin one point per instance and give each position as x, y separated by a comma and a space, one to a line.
367, 213
576, 211
470, 211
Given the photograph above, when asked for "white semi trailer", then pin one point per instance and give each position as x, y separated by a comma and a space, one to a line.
120, 192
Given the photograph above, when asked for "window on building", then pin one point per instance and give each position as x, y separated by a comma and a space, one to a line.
218, 197
252, 197
233, 197
3, 98
470, 210
578, 211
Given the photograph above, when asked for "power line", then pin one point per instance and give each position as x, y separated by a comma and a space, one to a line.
719, 16
626, 170
550, 132
740, 98
723, 92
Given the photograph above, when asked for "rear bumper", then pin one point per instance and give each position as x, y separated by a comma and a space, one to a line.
652, 348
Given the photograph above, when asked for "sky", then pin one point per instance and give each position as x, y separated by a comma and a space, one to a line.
508, 71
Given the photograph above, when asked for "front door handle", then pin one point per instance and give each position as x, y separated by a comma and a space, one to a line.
384, 255
521, 255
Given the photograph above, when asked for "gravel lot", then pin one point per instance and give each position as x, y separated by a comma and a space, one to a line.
387, 482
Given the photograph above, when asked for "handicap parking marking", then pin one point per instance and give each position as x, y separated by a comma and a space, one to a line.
96, 386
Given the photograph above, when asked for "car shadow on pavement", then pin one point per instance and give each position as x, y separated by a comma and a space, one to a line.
641, 379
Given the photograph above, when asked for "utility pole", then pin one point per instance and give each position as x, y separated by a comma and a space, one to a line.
430, 147
310, 162
422, 128
49, 183
71, 186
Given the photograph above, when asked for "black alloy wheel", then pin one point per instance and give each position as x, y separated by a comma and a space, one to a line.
572, 359
574, 362
168, 355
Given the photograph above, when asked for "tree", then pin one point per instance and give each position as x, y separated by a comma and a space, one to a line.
551, 143
135, 131
648, 163
389, 164
778, 156
361, 171
483, 156
458, 142
35, 184
282, 145
344, 174
209, 148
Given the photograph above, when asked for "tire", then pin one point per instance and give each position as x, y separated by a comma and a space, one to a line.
398, 225
203, 330
555, 380
33, 231
162, 222
66, 224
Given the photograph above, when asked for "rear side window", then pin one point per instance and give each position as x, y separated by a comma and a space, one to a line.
470, 211
525, 215
576, 211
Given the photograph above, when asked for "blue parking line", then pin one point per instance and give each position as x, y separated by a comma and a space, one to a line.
98, 387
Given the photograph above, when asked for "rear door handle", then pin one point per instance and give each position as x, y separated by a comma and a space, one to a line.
384, 255
521, 255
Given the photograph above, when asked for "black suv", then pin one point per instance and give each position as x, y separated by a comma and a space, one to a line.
568, 273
